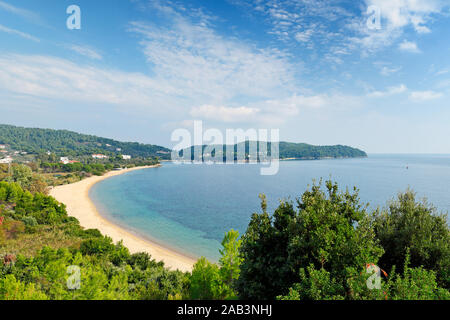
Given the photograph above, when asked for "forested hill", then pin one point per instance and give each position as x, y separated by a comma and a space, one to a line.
287, 150
68, 143
303, 150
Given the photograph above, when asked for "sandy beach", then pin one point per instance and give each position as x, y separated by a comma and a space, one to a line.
76, 197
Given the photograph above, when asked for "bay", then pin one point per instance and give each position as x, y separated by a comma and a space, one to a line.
189, 207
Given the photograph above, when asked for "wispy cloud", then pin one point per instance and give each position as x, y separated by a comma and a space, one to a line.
275, 112
86, 51
386, 71
402, 13
18, 33
388, 92
26, 14
419, 96
342, 29
210, 68
442, 72
55, 78
409, 46
224, 114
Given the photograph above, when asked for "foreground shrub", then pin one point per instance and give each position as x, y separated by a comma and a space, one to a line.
416, 284
415, 226
97, 246
12, 289
204, 280
330, 230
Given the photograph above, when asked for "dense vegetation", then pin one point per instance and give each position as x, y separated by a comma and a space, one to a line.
319, 247
37, 176
81, 146
287, 150
307, 151
67, 143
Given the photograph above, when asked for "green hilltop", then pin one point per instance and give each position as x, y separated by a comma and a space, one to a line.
287, 150
68, 143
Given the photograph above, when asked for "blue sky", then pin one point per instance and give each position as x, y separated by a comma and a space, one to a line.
138, 69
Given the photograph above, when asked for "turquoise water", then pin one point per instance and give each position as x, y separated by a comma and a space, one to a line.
189, 207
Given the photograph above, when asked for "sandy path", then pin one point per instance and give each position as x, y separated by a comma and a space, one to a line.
75, 196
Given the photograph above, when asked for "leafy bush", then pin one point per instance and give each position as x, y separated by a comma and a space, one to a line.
97, 246
10, 229
416, 284
143, 261
415, 226
204, 280
331, 230
29, 221
12, 289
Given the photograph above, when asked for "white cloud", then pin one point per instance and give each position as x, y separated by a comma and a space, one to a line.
209, 68
18, 33
304, 36
401, 13
409, 46
396, 16
28, 15
272, 111
441, 72
343, 29
389, 92
191, 66
419, 96
386, 71
86, 51
224, 114
10, 8
55, 78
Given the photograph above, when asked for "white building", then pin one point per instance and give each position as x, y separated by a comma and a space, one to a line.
2, 146
99, 156
64, 160
118, 149
126, 157
6, 160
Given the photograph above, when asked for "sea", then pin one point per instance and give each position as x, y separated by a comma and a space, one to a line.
189, 207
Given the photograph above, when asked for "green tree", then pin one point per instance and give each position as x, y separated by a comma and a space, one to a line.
12, 289
415, 284
204, 280
415, 226
230, 263
331, 230
22, 174
212, 281
315, 285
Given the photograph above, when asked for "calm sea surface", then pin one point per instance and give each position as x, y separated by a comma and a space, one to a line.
189, 207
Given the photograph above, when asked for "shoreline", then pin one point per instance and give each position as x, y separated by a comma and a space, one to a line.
78, 204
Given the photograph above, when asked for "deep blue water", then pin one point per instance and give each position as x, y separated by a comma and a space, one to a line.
189, 207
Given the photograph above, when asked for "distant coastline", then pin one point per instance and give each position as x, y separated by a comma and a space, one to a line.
76, 198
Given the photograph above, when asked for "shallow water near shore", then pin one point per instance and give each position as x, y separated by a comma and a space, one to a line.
189, 207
